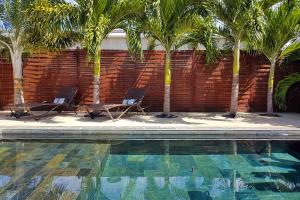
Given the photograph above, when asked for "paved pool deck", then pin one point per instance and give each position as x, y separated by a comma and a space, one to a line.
186, 126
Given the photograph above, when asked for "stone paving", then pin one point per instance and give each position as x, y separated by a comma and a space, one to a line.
185, 123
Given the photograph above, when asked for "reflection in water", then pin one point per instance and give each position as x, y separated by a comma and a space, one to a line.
150, 170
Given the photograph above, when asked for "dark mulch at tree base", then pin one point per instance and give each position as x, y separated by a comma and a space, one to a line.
231, 115
93, 115
164, 115
270, 115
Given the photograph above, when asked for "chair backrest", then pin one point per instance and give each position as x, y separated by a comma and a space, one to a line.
68, 93
136, 93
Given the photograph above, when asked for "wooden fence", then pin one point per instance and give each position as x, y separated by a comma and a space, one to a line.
196, 87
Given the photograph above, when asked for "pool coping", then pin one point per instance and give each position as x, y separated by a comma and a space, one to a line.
89, 133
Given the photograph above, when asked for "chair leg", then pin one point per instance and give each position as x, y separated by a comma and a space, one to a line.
109, 114
141, 109
38, 117
124, 112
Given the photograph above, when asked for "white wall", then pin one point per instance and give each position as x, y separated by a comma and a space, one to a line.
117, 41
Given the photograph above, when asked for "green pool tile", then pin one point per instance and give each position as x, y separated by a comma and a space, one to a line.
266, 195
136, 158
131, 192
144, 176
153, 173
267, 160
153, 162
3, 149
63, 165
134, 169
290, 195
182, 165
246, 194
253, 159
284, 157
239, 163
195, 195
221, 161
112, 172
117, 160
206, 167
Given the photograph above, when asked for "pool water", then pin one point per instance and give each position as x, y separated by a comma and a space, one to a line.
137, 170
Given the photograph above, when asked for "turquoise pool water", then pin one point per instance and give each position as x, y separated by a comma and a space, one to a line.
137, 170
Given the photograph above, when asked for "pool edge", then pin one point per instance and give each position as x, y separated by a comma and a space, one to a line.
154, 134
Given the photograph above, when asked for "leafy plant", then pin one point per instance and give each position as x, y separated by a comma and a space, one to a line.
239, 21
19, 34
93, 20
173, 23
282, 89
279, 39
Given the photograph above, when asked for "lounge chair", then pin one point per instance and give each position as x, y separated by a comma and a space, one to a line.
64, 101
133, 99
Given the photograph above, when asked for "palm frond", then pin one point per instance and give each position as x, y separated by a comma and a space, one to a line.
204, 33
292, 58
151, 43
288, 49
280, 36
239, 19
53, 25
282, 89
134, 41
169, 21
103, 19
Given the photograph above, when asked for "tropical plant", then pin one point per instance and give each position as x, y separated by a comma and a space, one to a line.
280, 38
170, 22
291, 58
19, 35
93, 20
282, 89
239, 21
206, 33
102, 17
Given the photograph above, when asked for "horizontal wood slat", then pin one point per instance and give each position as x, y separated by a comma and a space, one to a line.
195, 85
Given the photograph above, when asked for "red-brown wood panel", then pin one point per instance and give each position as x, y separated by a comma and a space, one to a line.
195, 86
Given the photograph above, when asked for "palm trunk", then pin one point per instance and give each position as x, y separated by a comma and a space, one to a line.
96, 81
235, 79
16, 57
271, 88
167, 93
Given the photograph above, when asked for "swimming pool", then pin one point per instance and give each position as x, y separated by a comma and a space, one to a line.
149, 170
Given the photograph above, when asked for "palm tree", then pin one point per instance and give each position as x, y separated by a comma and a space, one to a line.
170, 22
93, 20
280, 39
101, 18
239, 20
19, 35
